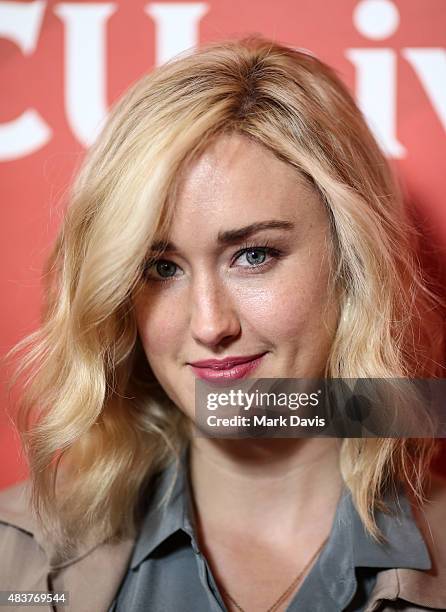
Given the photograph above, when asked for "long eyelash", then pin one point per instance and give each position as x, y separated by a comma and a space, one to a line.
252, 246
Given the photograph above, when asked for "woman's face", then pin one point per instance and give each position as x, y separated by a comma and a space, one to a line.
246, 275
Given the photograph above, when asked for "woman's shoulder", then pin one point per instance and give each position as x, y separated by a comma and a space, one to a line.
15, 507
19, 543
427, 588
29, 560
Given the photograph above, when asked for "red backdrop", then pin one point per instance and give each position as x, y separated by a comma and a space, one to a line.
63, 63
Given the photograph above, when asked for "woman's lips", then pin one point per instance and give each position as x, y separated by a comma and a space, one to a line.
225, 371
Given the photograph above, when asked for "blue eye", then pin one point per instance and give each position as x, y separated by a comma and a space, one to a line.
255, 256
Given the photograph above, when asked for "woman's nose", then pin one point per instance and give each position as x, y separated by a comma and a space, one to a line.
214, 318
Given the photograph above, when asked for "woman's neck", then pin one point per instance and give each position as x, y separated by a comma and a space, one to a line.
285, 487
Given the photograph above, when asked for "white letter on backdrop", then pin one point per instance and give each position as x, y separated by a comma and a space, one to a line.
376, 94
20, 22
176, 27
85, 66
430, 67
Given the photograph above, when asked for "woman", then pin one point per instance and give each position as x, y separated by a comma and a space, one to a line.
235, 219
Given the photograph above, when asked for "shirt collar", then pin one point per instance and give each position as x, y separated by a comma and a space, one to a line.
349, 546
404, 546
170, 509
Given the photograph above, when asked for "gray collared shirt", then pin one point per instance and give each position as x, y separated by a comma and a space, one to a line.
168, 573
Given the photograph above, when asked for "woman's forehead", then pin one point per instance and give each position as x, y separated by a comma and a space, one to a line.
235, 190
236, 182
237, 156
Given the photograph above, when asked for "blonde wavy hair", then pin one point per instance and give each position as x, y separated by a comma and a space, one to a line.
95, 423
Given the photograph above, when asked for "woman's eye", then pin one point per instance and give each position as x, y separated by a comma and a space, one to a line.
249, 257
162, 269
253, 256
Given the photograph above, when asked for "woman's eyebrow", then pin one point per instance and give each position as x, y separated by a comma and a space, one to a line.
235, 235
228, 236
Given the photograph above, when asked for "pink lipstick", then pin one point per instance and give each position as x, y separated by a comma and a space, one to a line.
227, 369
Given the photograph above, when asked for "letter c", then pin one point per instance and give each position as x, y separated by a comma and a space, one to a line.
20, 23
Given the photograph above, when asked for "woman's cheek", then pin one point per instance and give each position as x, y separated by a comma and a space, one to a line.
159, 325
278, 309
